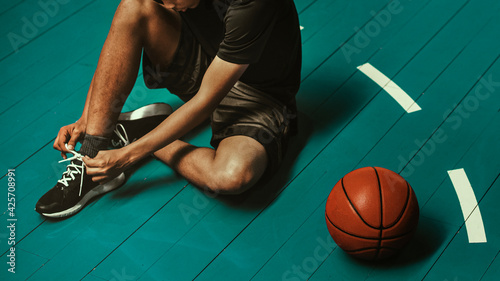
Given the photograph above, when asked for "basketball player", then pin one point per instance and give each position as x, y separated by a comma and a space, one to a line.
236, 62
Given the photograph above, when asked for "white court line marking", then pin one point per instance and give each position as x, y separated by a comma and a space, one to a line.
390, 87
470, 208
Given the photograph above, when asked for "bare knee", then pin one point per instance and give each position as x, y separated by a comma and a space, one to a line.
132, 8
156, 27
233, 180
136, 11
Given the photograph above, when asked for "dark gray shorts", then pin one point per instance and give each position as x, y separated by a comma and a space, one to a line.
244, 111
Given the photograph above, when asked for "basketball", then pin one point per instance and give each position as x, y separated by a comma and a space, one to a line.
372, 213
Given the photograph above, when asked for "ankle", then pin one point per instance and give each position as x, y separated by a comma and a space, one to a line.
93, 144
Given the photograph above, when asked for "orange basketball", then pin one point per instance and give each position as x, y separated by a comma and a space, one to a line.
372, 213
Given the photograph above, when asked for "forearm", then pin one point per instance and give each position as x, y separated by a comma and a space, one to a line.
179, 123
217, 81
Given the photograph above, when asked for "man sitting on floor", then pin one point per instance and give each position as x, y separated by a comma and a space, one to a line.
236, 62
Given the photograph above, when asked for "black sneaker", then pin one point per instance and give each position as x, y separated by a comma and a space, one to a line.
73, 190
134, 124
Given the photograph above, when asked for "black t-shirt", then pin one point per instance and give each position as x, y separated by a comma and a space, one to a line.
262, 33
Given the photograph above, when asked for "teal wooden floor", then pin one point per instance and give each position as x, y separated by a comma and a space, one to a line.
444, 54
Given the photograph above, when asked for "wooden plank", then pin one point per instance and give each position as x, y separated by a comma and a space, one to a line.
50, 124
29, 20
351, 52
469, 261
493, 270
302, 252
341, 28
429, 241
462, 260
43, 100
158, 234
9, 5
301, 5
439, 206
28, 64
321, 13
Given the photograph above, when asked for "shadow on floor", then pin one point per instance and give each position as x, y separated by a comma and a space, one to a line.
429, 237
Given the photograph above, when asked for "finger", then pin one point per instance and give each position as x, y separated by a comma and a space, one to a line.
72, 142
97, 171
56, 146
62, 141
62, 144
93, 167
58, 139
89, 162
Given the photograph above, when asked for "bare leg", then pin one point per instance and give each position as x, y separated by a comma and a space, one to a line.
136, 25
236, 165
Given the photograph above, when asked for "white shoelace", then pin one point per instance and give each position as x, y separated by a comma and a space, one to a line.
123, 137
73, 169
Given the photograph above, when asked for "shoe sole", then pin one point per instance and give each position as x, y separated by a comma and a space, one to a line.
96, 191
149, 110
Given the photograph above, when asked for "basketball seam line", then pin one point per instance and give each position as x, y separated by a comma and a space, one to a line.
366, 238
373, 227
404, 208
355, 210
381, 215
